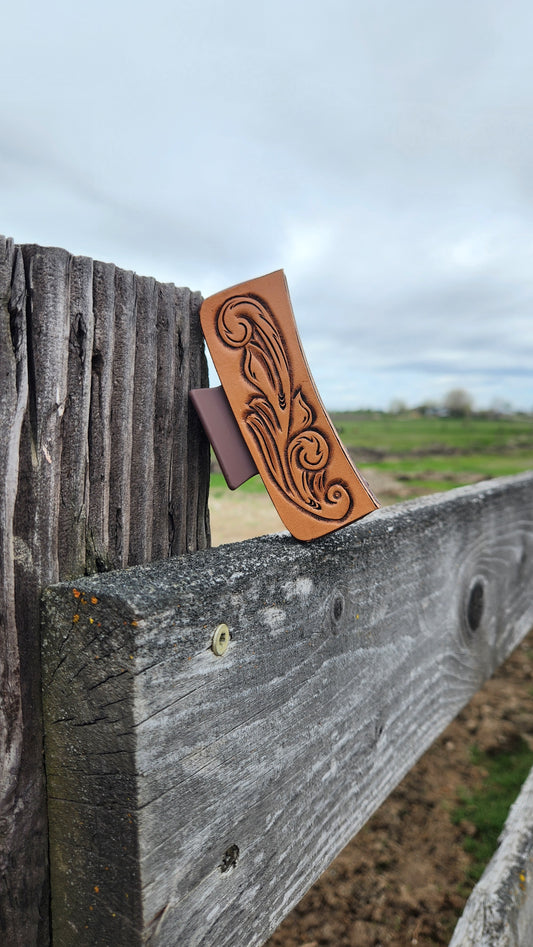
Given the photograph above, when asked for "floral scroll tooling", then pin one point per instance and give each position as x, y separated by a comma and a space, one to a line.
295, 451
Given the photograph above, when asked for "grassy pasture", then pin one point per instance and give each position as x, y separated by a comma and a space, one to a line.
412, 433
408, 455
487, 807
412, 455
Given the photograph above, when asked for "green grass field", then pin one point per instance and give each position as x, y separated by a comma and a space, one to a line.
411, 433
488, 807
418, 455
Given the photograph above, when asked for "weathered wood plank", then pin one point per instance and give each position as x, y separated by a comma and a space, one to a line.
23, 837
120, 419
142, 465
74, 491
167, 328
76, 445
103, 381
188, 487
38, 497
499, 912
208, 793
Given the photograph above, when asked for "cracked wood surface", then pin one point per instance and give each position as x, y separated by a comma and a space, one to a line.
194, 799
102, 465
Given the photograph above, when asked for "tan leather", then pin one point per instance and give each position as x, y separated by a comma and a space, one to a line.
254, 343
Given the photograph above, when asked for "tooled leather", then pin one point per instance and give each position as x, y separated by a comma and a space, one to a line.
253, 340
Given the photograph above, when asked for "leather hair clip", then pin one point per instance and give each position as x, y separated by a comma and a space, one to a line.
268, 417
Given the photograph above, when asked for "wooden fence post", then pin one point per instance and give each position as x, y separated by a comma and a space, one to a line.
102, 465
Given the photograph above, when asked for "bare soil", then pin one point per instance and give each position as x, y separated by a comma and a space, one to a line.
403, 880
238, 515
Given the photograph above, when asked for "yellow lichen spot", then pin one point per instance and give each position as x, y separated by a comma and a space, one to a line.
91, 621
131, 657
75, 618
75, 593
357, 616
135, 623
84, 601
94, 600
96, 889
522, 876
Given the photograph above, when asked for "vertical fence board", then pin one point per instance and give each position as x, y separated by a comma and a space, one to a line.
143, 415
165, 421
23, 843
98, 544
79, 416
120, 421
75, 420
178, 508
191, 489
47, 276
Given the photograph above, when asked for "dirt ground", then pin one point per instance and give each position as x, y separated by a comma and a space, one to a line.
402, 880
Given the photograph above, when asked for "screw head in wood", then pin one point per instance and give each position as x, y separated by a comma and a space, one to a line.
220, 640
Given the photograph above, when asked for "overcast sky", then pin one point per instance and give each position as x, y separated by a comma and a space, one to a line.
379, 151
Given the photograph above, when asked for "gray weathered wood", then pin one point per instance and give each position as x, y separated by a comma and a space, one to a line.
193, 799
23, 849
86, 433
499, 912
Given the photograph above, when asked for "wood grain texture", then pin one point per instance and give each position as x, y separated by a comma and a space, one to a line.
23, 863
193, 798
82, 438
499, 912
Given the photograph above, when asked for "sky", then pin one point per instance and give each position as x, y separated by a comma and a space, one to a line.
379, 151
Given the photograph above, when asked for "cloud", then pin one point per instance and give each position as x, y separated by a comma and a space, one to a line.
382, 153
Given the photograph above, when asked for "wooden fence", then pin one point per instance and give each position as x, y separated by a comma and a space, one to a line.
102, 465
193, 797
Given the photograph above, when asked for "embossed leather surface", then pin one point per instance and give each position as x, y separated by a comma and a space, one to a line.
254, 343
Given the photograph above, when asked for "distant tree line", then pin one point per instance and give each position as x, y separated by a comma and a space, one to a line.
457, 403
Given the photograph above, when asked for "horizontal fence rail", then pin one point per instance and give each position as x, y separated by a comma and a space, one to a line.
194, 797
102, 464
499, 912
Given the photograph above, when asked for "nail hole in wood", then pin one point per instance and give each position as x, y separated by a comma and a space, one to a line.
230, 858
